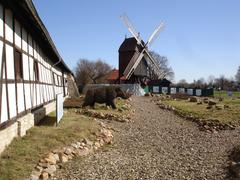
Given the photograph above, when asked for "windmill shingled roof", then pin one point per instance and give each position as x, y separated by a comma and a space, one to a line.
129, 44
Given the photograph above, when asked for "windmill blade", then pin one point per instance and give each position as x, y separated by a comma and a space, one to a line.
148, 55
155, 33
156, 67
132, 65
130, 28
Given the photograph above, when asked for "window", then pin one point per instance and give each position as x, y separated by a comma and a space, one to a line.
36, 71
18, 65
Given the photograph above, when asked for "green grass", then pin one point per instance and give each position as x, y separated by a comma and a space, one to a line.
225, 95
20, 158
231, 115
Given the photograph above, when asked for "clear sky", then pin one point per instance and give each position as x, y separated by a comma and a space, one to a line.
201, 37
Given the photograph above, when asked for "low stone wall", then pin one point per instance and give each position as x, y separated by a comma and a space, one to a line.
7, 135
20, 127
25, 123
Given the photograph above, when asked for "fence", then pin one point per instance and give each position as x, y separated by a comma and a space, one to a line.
175, 90
134, 89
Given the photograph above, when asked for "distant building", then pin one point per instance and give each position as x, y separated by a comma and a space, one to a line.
31, 70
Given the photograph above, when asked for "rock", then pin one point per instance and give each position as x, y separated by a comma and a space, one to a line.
205, 100
56, 157
75, 145
34, 177
209, 107
50, 170
211, 102
36, 173
219, 107
226, 106
120, 110
44, 176
220, 99
97, 145
101, 115
84, 152
193, 99
63, 158
50, 160
68, 150
199, 102
87, 142
39, 169
43, 165
147, 94
107, 136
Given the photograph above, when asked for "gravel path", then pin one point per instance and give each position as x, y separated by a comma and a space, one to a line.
157, 145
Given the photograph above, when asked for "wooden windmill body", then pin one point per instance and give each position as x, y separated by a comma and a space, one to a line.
134, 59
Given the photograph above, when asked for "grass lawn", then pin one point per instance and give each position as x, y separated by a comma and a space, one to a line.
225, 95
20, 158
230, 115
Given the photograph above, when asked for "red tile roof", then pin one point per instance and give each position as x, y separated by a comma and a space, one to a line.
113, 75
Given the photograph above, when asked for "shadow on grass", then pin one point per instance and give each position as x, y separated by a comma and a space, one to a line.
49, 120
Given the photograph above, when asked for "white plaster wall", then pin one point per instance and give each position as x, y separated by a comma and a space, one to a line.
1, 53
31, 69
17, 34
12, 100
33, 94
24, 40
10, 62
8, 25
27, 96
4, 115
25, 67
44, 92
20, 97
38, 94
1, 20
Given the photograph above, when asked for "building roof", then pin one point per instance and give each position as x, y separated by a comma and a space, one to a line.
26, 12
129, 44
114, 75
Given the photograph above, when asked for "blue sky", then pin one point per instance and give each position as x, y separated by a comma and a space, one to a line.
201, 37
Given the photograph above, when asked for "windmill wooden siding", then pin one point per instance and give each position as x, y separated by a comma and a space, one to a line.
130, 49
28, 80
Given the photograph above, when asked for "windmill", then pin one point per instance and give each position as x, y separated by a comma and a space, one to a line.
133, 64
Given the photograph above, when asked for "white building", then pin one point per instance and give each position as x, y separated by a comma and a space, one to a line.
31, 70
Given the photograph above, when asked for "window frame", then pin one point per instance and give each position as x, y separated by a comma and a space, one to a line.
18, 66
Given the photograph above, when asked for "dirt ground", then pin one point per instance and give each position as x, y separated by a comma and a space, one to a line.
157, 145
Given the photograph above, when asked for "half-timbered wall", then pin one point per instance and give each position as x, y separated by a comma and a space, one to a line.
36, 83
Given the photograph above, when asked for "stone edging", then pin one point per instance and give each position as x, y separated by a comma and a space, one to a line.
211, 125
49, 164
107, 116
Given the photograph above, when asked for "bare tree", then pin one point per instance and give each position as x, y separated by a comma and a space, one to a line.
162, 62
91, 71
182, 83
211, 80
200, 83
237, 76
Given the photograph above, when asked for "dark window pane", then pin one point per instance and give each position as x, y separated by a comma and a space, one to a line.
18, 65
